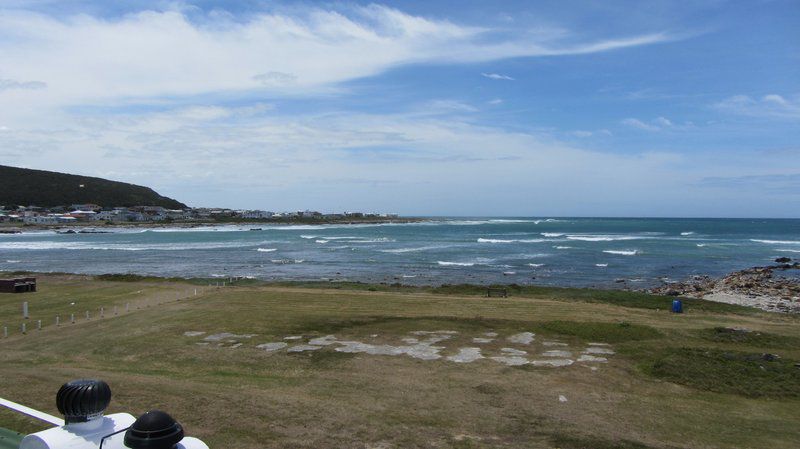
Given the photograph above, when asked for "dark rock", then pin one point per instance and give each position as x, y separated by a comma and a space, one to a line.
783, 259
769, 357
672, 293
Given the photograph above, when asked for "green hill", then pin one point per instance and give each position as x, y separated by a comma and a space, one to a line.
25, 187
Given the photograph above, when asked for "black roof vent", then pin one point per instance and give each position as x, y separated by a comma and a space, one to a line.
154, 430
83, 400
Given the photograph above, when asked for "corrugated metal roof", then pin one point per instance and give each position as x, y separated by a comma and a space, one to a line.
9, 439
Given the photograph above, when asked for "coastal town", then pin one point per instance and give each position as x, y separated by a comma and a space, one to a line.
93, 213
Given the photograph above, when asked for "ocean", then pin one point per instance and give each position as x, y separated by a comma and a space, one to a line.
576, 252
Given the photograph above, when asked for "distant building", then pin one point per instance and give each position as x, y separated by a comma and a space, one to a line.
87, 207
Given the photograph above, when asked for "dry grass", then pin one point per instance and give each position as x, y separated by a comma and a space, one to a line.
248, 398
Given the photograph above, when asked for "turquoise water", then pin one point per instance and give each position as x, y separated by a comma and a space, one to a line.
548, 251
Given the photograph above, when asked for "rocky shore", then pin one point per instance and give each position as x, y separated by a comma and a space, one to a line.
766, 288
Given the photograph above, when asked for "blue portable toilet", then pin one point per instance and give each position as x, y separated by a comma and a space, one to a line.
677, 306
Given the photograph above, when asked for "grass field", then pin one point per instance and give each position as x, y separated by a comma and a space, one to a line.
675, 381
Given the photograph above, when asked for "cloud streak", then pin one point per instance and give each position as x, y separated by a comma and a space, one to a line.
153, 54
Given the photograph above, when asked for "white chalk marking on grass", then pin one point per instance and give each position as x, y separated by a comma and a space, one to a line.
227, 336
553, 343
269, 347
482, 340
524, 338
303, 348
512, 351
553, 362
511, 361
598, 350
591, 358
466, 355
557, 353
293, 337
193, 333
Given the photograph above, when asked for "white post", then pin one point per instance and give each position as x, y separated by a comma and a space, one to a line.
87, 314
39, 324
5, 331
23, 328
58, 319
127, 307
195, 292
72, 318
102, 312
25, 310
115, 310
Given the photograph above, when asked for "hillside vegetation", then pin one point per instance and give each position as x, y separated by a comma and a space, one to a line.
21, 186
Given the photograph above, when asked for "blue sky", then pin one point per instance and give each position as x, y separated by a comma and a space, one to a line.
432, 108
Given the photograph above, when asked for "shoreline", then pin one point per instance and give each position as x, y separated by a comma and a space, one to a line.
754, 287
16, 228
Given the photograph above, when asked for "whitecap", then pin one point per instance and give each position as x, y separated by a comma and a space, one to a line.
321, 241
687, 233
535, 265
605, 237
484, 240
13, 261
777, 242
457, 264
783, 250
266, 250
700, 245
563, 247
601, 265
411, 250
552, 234
632, 252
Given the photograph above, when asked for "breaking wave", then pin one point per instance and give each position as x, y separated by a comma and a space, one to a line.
632, 252
266, 250
777, 242
483, 240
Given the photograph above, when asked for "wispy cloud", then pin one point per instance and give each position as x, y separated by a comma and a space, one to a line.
8, 84
657, 124
157, 54
497, 76
768, 106
636, 123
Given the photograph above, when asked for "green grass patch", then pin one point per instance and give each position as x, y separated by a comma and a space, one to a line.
563, 441
741, 373
748, 338
602, 332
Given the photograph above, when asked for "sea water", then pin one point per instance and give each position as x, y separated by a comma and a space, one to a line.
546, 251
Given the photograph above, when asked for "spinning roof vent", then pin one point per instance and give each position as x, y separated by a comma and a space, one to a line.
154, 430
83, 400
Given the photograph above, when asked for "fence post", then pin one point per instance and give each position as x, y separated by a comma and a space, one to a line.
115, 310
127, 307
102, 312
5, 331
39, 325
87, 314
58, 319
25, 310
23, 328
72, 318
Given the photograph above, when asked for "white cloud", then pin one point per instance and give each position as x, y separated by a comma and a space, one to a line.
580, 133
769, 106
636, 123
497, 76
495, 101
151, 54
663, 122
267, 158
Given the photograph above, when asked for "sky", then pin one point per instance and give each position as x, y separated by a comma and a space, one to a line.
456, 108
